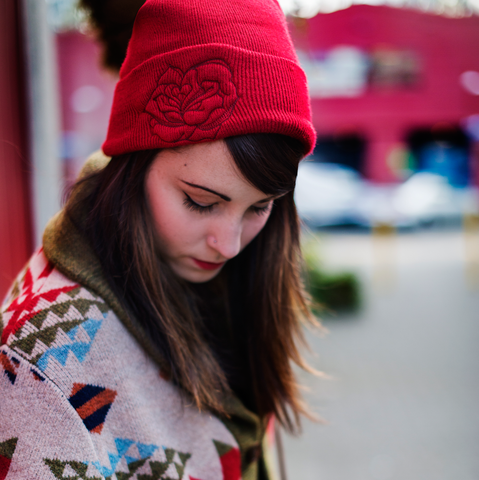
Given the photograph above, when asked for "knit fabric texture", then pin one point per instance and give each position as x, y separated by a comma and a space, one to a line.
82, 394
200, 71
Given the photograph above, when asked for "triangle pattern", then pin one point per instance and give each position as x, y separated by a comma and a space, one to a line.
7, 448
9, 368
78, 348
45, 325
123, 446
71, 470
230, 459
146, 450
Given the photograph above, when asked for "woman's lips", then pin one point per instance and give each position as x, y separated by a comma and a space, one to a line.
208, 265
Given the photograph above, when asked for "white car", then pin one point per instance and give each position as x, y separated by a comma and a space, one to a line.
326, 194
332, 195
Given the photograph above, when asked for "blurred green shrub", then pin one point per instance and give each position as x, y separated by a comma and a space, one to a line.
330, 292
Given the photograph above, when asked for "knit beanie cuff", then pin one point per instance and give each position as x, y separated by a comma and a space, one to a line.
208, 92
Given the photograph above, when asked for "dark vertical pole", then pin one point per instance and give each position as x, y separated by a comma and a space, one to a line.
15, 212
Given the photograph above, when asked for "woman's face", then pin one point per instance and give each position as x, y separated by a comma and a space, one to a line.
204, 211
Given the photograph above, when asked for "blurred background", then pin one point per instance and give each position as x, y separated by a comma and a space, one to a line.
389, 201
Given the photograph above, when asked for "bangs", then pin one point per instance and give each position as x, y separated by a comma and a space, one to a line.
268, 161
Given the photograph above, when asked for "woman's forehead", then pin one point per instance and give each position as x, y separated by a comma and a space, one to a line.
209, 164
200, 157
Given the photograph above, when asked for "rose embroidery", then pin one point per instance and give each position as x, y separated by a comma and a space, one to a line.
192, 105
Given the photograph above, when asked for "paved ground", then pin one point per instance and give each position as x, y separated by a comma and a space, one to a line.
404, 399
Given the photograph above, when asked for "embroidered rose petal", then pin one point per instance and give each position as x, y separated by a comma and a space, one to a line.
192, 105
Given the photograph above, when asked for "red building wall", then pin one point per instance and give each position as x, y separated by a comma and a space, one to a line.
86, 96
15, 214
446, 47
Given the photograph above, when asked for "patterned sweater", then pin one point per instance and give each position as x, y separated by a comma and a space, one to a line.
82, 395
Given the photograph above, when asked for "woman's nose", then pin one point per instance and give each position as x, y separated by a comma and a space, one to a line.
226, 240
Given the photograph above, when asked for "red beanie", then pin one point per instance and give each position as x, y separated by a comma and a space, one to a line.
201, 70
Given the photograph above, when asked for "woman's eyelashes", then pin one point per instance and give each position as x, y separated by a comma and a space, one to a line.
190, 204
262, 210
196, 207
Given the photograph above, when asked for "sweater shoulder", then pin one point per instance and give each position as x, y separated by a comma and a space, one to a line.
44, 311
130, 416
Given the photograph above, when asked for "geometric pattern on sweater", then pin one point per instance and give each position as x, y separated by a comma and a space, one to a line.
135, 453
31, 298
92, 404
9, 366
230, 458
171, 469
7, 449
69, 470
69, 326
101, 411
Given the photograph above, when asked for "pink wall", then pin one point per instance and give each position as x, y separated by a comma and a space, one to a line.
16, 242
447, 47
86, 97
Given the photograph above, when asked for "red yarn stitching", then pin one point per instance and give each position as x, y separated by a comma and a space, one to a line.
26, 305
192, 105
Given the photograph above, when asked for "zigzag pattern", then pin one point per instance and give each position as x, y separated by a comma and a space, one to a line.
122, 446
28, 303
60, 469
171, 469
63, 328
78, 348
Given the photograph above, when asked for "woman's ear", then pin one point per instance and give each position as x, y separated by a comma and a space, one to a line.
112, 22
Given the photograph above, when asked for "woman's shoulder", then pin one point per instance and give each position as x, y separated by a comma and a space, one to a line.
68, 359
66, 329
41, 303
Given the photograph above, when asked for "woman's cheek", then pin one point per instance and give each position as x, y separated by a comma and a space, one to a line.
253, 227
171, 220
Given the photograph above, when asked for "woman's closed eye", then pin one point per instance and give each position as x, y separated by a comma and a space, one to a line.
262, 210
190, 204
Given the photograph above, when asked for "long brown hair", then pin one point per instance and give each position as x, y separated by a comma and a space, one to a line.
264, 292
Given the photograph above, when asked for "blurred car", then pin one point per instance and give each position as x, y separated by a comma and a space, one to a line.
428, 198
330, 195
326, 194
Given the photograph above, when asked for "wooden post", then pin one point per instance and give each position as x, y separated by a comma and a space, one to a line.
384, 251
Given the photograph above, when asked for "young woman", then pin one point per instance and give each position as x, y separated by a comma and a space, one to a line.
153, 333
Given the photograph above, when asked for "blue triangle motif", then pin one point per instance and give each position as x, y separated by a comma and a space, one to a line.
105, 471
122, 445
79, 349
146, 450
60, 353
130, 459
114, 460
72, 333
92, 326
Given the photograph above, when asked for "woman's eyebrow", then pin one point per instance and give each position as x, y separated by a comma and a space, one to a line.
224, 197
